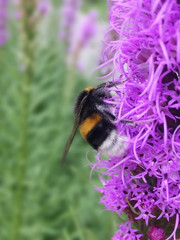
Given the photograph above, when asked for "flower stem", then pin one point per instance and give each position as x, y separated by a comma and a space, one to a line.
27, 59
131, 207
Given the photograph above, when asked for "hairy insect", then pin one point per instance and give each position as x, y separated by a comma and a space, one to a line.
94, 118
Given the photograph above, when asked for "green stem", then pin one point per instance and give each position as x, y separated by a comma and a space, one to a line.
27, 59
70, 80
131, 207
68, 89
21, 165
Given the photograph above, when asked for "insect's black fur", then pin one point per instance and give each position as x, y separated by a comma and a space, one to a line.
99, 133
95, 98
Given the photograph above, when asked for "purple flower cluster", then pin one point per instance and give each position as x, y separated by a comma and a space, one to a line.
125, 232
88, 28
4, 34
43, 6
77, 32
145, 181
68, 16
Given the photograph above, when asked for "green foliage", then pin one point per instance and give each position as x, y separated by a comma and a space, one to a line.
38, 199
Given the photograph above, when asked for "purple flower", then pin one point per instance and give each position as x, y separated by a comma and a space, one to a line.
4, 34
145, 180
88, 28
68, 16
44, 6
83, 35
125, 232
77, 33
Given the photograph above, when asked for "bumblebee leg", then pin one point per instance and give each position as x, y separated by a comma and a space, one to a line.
126, 121
110, 84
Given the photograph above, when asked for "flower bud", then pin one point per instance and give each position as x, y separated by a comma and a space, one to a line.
156, 233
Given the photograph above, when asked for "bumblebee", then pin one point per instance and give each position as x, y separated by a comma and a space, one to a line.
94, 118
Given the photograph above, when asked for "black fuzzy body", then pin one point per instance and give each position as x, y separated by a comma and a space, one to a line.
95, 104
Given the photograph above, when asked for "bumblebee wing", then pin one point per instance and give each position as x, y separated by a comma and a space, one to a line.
74, 130
81, 105
69, 141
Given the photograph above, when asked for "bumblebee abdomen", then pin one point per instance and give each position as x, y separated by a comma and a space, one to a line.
104, 137
89, 123
100, 133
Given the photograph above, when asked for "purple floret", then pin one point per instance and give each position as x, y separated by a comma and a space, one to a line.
125, 232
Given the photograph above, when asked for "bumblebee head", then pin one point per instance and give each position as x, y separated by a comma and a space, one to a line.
101, 93
91, 97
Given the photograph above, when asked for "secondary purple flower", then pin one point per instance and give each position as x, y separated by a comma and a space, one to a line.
125, 232
68, 15
44, 6
88, 28
83, 34
77, 33
145, 180
4, 34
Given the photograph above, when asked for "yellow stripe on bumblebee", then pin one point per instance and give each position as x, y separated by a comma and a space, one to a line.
88, 89
89, 123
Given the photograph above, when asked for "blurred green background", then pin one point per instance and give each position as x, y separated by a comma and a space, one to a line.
38, 84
